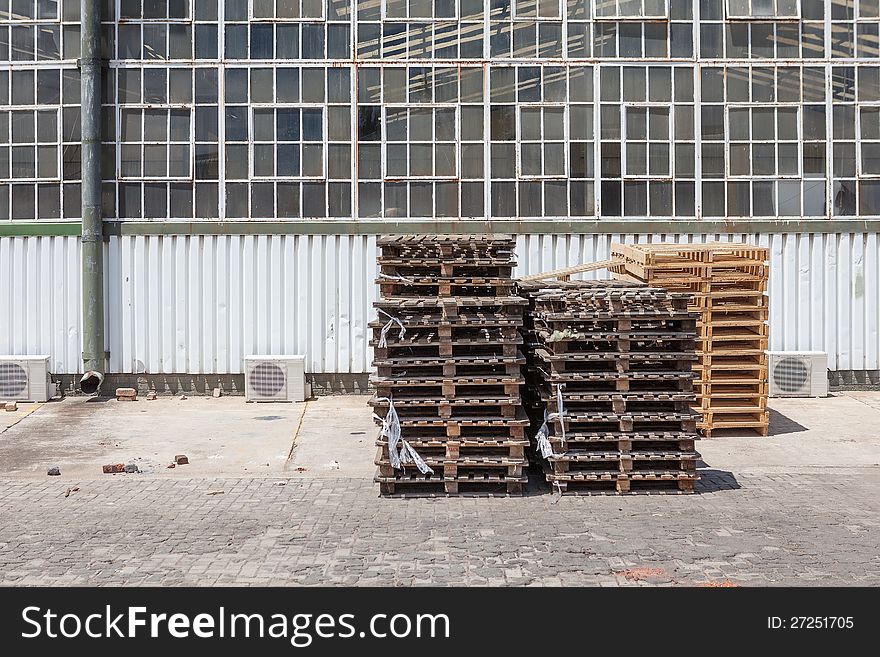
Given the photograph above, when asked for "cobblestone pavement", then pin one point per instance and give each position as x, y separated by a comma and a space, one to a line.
810, 527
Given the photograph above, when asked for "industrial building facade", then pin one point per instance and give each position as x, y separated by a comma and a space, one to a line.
252, 149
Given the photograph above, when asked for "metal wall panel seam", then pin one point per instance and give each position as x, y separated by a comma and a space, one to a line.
872, 299
857, 292
844, 300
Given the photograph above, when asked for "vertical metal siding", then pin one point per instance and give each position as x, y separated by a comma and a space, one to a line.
40, 299
199, 304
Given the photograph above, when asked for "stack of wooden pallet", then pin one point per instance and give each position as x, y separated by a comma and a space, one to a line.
449, 366
609, 380
728, 282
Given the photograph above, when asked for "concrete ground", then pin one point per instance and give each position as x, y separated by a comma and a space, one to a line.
283, 494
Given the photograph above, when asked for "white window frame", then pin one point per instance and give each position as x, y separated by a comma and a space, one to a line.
648, 106
58, 143
251, 143
274, 18
520, 176
118, 8
141, 108
456, 142
417, 19
618, 16
860, 167
799, 141
730, 11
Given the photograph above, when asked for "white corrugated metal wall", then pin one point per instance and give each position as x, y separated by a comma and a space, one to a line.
198, 304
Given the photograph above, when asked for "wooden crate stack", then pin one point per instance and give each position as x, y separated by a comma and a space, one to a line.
609, 381
728, 282
449, 366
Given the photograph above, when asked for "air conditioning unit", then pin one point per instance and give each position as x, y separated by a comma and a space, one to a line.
25, 378
275, 378
798, 373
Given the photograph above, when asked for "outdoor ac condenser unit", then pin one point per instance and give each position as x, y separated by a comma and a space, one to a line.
25, 378
275, 378
798, 373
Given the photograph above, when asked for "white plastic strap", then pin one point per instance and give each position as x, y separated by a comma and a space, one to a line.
560, 409
544, 446
391, 430
383, 342
392, 277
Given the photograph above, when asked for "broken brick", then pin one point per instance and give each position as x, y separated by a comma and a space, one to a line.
114, 468
181, 459
126, 394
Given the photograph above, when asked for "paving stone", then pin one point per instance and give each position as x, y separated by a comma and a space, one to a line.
817, 528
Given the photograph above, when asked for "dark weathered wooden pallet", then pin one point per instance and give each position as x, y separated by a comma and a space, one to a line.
450, 305
449, 367
617, 384
396, 268
440, 430
466, 334
418, 485
617, 482
578, 404
444, 290
621, 345
509, 348
623, 464
462, 468
622, 487
615, 362
414, 247
452, 449
631, 378
565, 447
474, 317
447, 387
631, 422
470, 407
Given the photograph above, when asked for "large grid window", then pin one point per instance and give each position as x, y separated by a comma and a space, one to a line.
420, 29
854, 28
286, 29
286, 109
762, 9
33, 157
30, 31
774, 127
631, 9
155, 142
647, 147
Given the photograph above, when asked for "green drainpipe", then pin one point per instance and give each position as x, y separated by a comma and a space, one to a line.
94, 358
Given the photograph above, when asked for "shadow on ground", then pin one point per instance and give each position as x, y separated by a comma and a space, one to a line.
781, 424
715, 481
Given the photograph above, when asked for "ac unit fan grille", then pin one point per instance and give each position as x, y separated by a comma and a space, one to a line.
267, 380
791, 375
13, 380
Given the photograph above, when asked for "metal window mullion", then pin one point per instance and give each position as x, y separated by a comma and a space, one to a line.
829, 130
221, 116
487, 130
597, 139
698, 139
